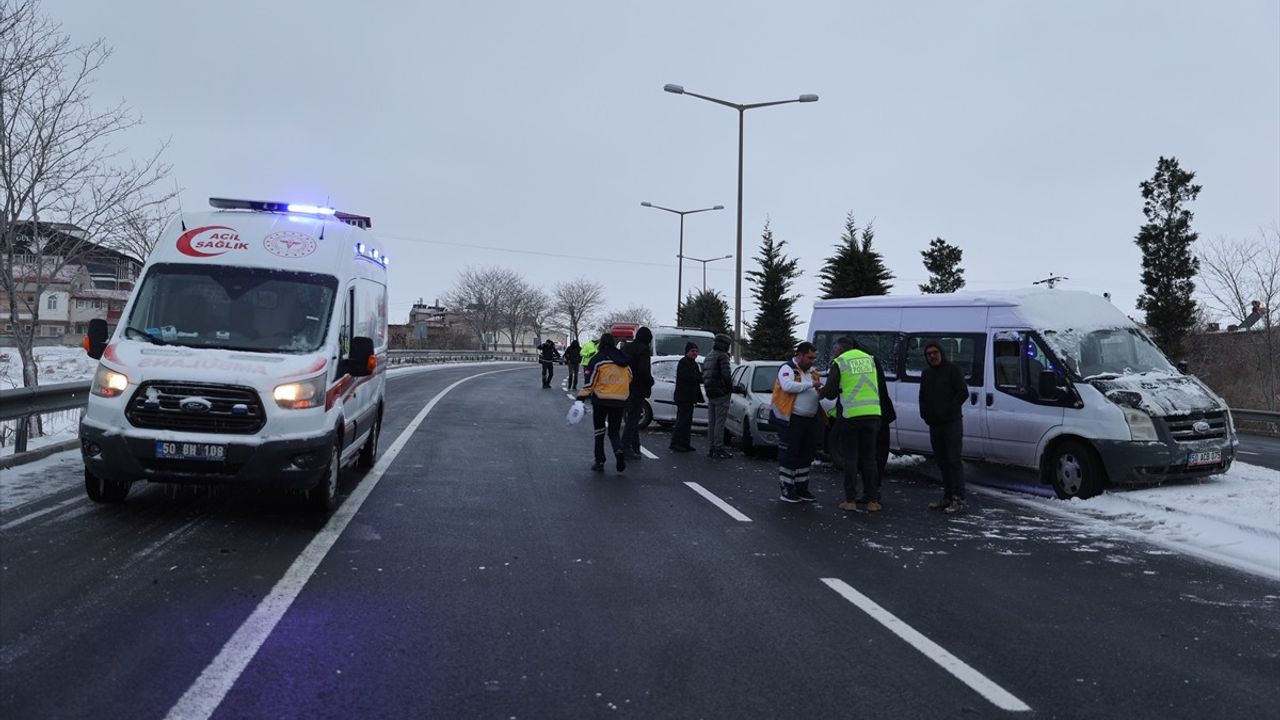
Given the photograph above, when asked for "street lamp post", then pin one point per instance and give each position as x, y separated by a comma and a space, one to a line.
680, 253
742, 110
704, 267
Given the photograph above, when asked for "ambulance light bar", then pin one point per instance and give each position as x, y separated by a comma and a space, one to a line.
360, 221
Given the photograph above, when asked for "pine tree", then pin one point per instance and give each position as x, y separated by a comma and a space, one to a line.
855, 269
705, 310
1168, 266
942, 260
772, 333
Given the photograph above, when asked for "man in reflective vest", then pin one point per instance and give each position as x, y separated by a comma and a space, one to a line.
855, 383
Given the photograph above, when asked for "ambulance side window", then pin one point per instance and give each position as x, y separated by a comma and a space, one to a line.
344, 326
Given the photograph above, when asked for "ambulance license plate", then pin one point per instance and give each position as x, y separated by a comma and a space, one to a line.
190, 451
1207, 457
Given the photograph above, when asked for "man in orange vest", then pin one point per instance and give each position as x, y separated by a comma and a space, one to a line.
796, 412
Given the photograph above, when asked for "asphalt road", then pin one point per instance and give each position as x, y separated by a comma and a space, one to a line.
487, 572
1260, 450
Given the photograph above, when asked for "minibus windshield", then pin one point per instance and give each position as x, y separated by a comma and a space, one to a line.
1109, 352
233, 308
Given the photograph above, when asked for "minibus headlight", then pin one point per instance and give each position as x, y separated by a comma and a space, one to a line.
300, 395
108, 383
1141, 428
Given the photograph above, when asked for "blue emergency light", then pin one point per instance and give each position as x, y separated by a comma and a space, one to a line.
360, 221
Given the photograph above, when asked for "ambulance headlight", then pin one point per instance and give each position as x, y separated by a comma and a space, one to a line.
1141, 428
300, 395
108, 383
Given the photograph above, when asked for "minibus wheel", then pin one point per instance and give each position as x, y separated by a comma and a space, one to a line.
105, 490
323, 497
646, 416
1075, 471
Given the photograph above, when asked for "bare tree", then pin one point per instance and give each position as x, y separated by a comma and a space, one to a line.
140, 227
632, 314
575, 303
480, 297
542, 311
1241, 279
517, 300
62, 183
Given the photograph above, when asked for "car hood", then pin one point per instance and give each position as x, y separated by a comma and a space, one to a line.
1160, 394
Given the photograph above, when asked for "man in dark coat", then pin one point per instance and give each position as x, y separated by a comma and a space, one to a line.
688, 393
716, 377
638, 352
573, 358
943, 393
548, 356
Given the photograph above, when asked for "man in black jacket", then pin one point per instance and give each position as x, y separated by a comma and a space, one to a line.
688, 393
638, 352
548, 356
716, 377
943, 393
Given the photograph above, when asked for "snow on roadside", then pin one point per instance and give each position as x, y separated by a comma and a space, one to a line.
1231, 519
42, 478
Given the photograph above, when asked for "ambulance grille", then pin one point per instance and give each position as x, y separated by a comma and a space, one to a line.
230, 409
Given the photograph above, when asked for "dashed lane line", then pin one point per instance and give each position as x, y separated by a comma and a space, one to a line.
730, 510
207, 692
39, 513
645, 452
980, 683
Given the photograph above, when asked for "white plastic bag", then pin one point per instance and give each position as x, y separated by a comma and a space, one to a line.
576, 411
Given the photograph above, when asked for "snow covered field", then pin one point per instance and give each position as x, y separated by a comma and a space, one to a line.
56, 365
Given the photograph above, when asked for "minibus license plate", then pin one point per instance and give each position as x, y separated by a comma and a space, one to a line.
1208, 457
190, 451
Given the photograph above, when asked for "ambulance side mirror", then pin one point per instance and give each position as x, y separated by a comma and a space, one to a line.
1049, 388
95, 342
361, 361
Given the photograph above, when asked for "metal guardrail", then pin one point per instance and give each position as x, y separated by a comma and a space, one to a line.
1256, 415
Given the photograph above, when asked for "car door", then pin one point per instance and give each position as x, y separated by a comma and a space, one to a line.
739, 403
1017, 417
662, 399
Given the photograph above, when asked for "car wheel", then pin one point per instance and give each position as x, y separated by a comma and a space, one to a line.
1075, 471
748, 445
646, 416
369, 452
324, 496
105, 490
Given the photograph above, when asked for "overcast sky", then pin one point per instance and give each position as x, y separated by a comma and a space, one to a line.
526, 134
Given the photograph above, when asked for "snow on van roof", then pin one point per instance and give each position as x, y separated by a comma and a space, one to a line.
1042, 308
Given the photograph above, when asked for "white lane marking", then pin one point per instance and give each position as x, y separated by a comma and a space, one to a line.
571, 396
39, 513
998, 696
710, 496
178, 532
1246, 452
645, 452
208, 691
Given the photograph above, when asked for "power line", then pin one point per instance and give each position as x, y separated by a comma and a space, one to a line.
540, 253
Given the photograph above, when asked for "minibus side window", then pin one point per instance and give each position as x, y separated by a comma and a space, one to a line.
965, 351
880, 344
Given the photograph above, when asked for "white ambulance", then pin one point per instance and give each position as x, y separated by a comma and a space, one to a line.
1060, 382
252, 352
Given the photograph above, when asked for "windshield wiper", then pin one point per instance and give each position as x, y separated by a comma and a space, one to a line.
152, 338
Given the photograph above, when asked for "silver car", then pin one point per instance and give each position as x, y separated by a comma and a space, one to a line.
748, 423
661, 407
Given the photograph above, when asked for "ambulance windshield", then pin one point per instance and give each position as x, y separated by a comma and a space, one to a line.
233, 308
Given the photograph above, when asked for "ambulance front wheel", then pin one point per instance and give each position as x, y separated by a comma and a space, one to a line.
105, 490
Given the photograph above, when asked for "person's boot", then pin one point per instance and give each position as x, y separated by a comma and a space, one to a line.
788, 493
622, 461
802, 491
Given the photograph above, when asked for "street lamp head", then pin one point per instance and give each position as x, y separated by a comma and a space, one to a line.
809, 98
646, 204
718, 207
672, 88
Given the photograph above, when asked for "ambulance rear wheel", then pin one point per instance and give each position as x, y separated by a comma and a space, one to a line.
369, 451
105, 490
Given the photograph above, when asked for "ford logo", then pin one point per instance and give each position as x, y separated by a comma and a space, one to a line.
195, 405
1201, 427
